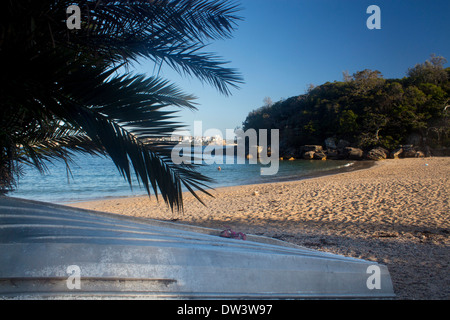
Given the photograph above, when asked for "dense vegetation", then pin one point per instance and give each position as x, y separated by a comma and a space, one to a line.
366, 110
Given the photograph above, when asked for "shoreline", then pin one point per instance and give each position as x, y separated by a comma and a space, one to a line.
355, 165
395, 212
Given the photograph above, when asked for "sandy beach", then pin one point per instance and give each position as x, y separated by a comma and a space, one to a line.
395, 213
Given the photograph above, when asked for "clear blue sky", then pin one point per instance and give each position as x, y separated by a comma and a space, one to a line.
281, 46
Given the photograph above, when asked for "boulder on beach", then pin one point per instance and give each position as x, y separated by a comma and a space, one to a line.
342, 144
396, 153
353, 153
315, 148
331, 153
420, 154
309, 155
330, 143
409, 151
320, 156
377, 154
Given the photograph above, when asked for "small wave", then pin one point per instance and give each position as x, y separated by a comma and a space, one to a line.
348, 165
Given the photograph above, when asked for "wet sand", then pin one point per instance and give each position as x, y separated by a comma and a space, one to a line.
395, 213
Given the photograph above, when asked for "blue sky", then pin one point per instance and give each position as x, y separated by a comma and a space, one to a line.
282, 46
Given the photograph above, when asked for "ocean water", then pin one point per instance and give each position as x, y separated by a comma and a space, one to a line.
93, 178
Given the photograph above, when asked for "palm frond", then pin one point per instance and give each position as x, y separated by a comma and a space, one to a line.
172, 32
62, 94
117, 115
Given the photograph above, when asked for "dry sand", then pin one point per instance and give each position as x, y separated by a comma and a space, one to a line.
395, 213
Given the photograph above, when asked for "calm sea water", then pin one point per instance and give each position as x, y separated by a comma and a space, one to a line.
96, 177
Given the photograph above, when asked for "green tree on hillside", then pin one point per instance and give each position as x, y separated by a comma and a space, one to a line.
366, 110
431, 71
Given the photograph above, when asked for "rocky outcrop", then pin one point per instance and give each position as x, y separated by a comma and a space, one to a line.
353, 153
314, 148
311, 152
330, 144
309, 155
396, 153
420, 154
320, 156
343, 151
333, 154
377, 154
408, 151
342, 144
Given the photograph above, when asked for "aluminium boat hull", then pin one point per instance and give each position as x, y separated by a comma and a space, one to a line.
50, 251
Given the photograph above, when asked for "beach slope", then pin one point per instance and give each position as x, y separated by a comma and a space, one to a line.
395, 213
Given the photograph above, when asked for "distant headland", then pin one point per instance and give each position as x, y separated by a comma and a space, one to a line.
364, 116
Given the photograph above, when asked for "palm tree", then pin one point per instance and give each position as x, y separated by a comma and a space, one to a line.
63, 90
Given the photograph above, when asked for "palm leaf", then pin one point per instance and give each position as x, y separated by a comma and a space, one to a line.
62, 92
114, 115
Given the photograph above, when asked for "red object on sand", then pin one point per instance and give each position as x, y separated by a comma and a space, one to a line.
228, 233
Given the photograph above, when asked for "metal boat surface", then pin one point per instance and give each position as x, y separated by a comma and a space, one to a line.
50, 251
